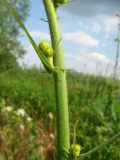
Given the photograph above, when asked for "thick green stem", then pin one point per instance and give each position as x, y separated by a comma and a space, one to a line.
63, 138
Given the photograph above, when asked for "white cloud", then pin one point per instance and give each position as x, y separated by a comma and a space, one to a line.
81, 38
94, 63
96, 27
99, 57
100, 24
108, 24
40, 35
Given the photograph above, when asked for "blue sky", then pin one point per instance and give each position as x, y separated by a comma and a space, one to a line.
88, 30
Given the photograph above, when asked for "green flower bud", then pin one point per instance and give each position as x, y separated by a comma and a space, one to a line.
45, 47
75, 150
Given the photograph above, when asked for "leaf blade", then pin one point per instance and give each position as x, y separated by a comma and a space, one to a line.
38, 51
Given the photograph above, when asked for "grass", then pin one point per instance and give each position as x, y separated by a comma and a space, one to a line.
93, 100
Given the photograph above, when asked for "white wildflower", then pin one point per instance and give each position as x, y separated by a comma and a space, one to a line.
52, 136
50, 115
22, 127
29, 119
3, 101
21, 112
7, 109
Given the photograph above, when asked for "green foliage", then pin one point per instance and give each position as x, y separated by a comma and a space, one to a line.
18, 134
10, 47
94, 101
31, 91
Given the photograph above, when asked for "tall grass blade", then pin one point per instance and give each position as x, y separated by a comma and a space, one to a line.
38, 51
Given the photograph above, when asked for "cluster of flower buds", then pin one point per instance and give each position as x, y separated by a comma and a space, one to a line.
75, 151
58, 3
47, 51
45, 47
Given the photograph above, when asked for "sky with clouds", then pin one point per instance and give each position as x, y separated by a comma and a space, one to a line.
88, 29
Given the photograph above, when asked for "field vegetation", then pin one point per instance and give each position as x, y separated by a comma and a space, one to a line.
34, 103
28, 114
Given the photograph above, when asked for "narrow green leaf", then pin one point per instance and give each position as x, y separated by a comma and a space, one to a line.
38, 51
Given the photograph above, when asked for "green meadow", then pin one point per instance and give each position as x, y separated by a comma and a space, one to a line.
93, 100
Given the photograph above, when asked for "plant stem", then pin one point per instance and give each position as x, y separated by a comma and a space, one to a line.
63, 138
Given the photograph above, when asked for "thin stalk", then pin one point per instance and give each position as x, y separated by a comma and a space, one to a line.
117, 54
63, 138
116, 62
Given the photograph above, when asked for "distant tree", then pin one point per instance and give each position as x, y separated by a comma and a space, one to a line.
10, 47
